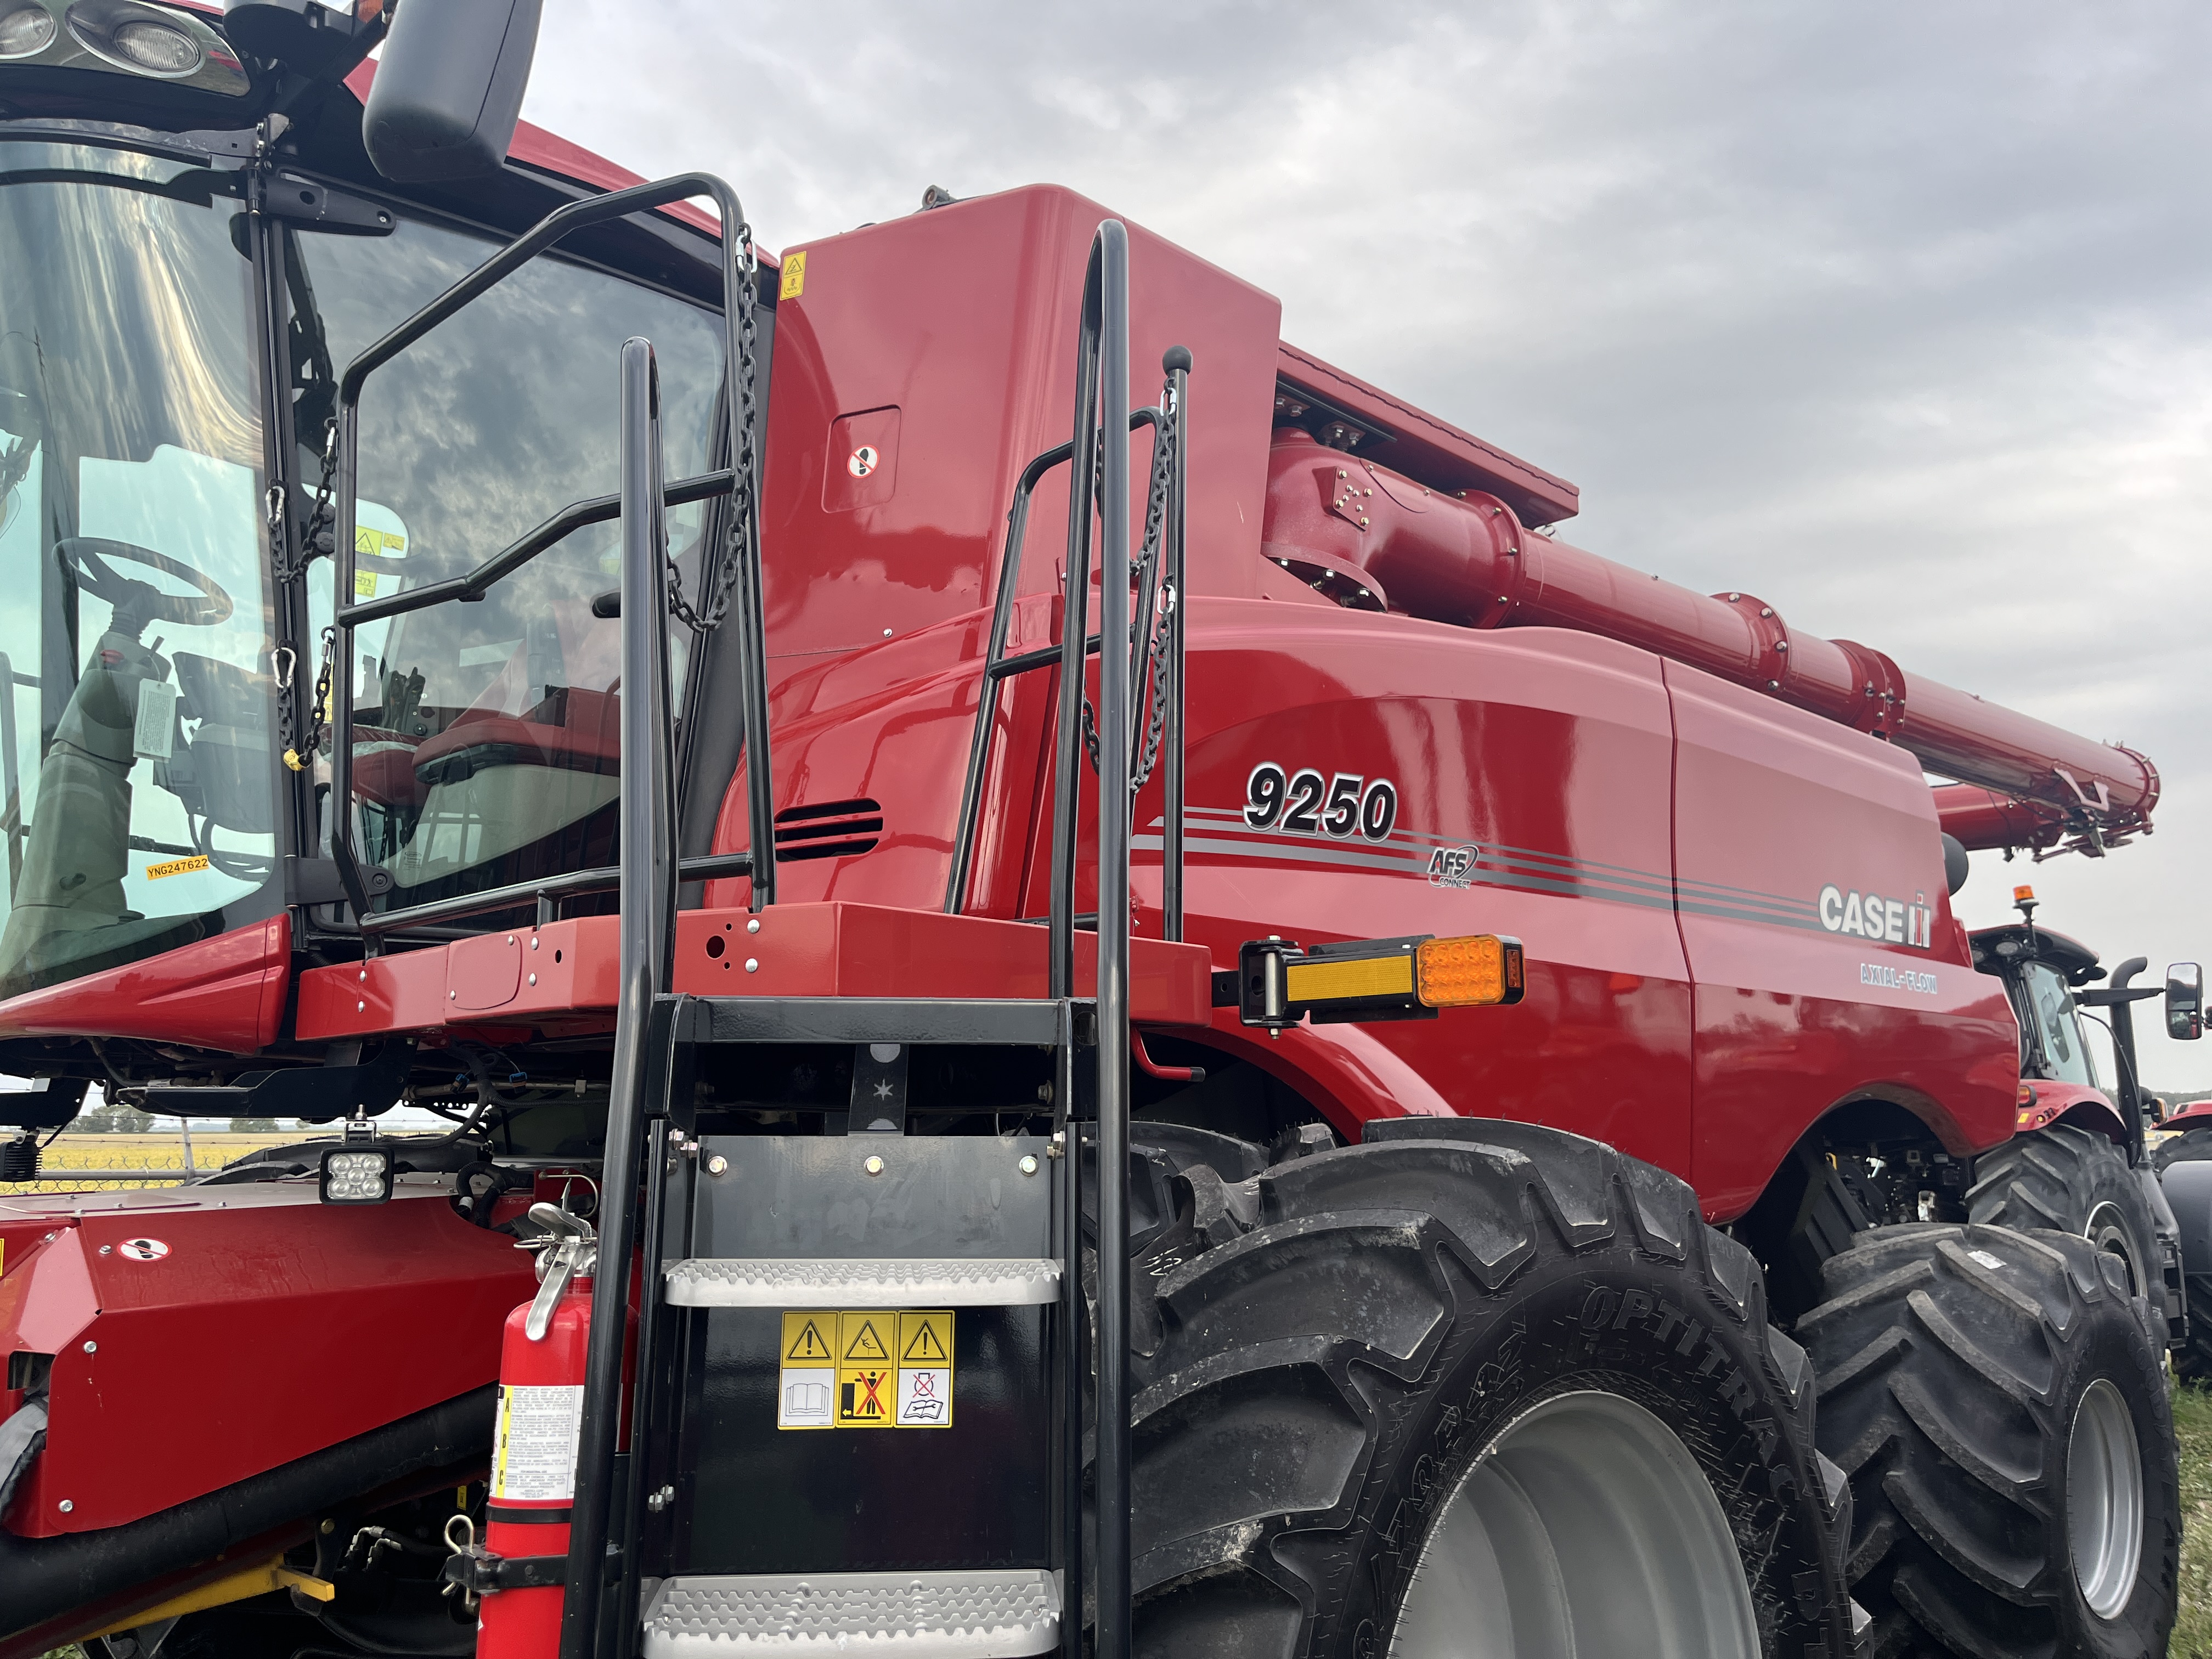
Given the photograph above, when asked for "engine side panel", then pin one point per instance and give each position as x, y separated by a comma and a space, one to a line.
1820, 935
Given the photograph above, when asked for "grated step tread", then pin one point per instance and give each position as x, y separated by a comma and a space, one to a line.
1000, 1614
863, 1282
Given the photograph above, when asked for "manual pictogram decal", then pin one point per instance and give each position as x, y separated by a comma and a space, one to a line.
808, 1377
872, 1367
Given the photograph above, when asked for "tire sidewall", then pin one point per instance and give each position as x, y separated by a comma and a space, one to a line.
2112, 1352
1617, 1322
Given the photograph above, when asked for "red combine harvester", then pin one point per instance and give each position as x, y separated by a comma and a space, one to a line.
1343, 1089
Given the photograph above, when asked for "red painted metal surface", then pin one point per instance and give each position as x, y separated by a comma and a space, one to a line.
225, 993
2044, 1102
256, 1326
1985, 819
561, 977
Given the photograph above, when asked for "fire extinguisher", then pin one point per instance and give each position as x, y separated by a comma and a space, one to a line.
517, 1573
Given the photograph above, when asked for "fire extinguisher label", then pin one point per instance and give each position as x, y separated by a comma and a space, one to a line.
534, 1456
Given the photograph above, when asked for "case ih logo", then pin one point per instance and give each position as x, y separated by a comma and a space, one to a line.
1868, 916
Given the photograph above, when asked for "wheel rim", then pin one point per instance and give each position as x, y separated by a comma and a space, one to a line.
1585, 1527
2104, 1499
2108, 1231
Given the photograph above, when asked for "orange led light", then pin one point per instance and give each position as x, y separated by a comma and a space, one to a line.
1478, 969
2023, 895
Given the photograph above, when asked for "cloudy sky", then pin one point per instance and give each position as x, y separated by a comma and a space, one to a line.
1899, 315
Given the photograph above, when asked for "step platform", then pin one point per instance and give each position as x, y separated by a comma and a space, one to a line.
985, 1614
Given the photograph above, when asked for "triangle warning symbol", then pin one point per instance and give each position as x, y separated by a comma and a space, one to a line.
925, 1345
809, 1344
867, 1345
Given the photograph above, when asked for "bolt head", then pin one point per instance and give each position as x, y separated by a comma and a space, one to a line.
873, 1165
360, 1007
752, 964
92, 1347
718, 1164
65, 1506
753, 927
533, 979
107, 1250
1029, 1163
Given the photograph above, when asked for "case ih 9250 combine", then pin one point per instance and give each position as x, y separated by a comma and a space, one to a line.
1401, 1185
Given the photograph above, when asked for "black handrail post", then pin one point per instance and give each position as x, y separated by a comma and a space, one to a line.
1176, 362
647, 897
1111, 254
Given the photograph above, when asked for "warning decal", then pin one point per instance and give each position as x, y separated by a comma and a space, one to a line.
534, 1451
809, 1373
858, 1338
872, 1368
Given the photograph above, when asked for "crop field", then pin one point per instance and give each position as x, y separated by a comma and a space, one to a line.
113, 1162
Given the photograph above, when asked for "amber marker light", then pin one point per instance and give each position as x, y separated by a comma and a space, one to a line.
2023, 895
1478, 969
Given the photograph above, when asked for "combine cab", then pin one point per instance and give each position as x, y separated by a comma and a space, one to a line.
1302, 1068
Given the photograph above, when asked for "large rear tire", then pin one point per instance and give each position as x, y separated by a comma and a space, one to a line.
2073, 1180
1998, 1400
1504, 1395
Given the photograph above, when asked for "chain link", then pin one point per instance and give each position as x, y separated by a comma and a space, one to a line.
1147, 562
715, 586
318, 537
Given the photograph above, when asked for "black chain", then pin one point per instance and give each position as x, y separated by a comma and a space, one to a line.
318, 537
1147, 561
716, 586
301, 755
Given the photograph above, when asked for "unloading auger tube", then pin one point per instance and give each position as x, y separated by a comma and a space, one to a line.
1468, 559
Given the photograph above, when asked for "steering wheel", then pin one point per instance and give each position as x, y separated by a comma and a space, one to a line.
139, 604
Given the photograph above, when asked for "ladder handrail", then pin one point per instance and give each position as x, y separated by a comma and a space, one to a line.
1102, 420
648, 923
998, 666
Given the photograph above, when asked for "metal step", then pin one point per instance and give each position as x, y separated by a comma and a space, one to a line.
982, 1614
863, 1282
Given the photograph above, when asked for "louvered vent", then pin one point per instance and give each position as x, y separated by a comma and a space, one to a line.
828, 830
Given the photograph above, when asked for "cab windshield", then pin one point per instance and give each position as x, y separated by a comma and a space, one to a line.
135, 743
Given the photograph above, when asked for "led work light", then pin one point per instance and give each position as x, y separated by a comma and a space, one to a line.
357, 1175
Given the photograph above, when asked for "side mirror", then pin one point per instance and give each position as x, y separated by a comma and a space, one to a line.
448, 88
2184, 1001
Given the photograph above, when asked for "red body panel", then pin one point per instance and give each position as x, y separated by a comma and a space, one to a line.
1660, 839
562, 976
224, 993
270, 1326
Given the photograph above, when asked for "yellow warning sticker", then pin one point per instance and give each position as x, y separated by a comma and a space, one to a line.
925, 1377
808, 1379
872, 1367
859, 1339
803, 1342
864, 1397
794, 276
175, 867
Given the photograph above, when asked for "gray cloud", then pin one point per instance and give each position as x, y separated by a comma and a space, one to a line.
1897, 315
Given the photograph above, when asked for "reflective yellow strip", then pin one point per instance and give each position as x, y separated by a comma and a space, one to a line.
1365, 976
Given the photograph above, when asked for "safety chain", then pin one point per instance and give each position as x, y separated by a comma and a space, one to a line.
1156, 649
319, 717
716, 586
318, 537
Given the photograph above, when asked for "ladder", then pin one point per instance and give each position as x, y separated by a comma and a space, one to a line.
858, 1419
